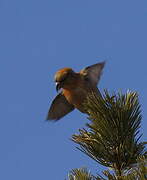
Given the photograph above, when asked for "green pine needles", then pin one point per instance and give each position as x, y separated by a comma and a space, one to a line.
112, 136
81, 174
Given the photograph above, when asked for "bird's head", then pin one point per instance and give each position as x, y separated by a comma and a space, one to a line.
63, 78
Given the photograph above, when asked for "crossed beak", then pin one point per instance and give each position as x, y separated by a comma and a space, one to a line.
58, 86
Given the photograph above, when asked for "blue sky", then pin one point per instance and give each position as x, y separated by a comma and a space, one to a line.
38, 37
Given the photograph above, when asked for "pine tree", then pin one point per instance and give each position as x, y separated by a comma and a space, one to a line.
112, 136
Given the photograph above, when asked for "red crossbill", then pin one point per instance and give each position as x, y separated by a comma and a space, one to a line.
75, 88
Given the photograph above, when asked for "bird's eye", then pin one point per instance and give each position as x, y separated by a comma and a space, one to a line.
63, 78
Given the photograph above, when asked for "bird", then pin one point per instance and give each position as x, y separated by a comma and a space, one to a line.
74, 86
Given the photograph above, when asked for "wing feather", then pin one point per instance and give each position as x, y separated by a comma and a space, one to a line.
59, 108
93, 72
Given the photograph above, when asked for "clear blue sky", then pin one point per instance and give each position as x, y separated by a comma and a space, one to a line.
37, 37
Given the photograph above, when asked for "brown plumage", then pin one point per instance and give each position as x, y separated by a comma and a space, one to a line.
75, 87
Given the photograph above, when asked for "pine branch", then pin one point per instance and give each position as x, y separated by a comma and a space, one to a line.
80, 174
138, 172
112, 138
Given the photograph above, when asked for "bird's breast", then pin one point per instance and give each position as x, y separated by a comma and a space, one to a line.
76, 97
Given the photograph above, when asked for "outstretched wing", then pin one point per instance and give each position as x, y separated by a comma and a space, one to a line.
59, 108
93, 72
